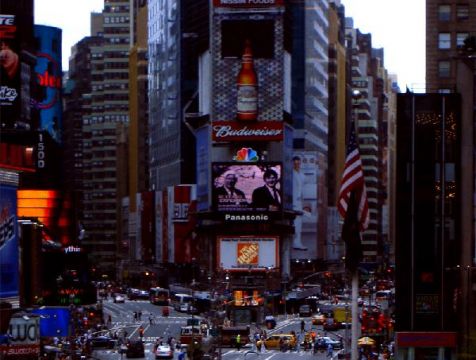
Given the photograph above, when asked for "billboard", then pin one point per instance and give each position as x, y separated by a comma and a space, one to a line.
9, 70
247, 3
248, 252
53, 321
223, 131
304, 179
9, 267
242, 187
48, 74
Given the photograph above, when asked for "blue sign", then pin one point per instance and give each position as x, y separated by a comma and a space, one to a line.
54, 321
9, 252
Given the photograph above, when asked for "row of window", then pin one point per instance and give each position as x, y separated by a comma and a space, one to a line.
116, 19
445, 40
445, 12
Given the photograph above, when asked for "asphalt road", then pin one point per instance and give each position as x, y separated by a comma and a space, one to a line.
123, 320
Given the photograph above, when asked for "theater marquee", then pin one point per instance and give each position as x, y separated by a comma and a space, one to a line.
248, 252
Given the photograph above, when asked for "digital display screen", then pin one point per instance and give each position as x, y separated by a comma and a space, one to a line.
247, 187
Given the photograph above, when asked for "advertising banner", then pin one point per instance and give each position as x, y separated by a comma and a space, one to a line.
247, 187
54, 321
9, 70
223, 131
247, 3
9, 267
305, 171
48, 73
24, 336
248, 253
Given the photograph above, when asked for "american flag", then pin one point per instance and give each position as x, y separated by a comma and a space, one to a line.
353, 183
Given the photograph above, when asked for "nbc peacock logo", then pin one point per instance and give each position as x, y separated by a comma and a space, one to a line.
246, 154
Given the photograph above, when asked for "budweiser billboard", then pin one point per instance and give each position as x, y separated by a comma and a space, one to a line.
247, 3
223, 131
248, 252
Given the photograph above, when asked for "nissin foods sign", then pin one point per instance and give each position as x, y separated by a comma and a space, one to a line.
247, 3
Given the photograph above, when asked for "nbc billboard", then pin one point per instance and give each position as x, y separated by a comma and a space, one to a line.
247, 187
250, 253
9, 269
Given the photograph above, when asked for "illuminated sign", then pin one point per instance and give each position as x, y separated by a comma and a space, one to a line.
246, 154
248, 252
247, 3
49, 80
249, 188
426, 339
223, 131
72, 249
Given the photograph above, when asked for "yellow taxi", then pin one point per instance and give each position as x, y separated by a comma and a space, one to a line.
318, 319
274, 341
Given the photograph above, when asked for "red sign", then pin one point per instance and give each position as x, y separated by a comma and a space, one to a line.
426, 339
247, 3
223, 131
19, 351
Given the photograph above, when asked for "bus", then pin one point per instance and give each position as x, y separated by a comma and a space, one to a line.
159, 296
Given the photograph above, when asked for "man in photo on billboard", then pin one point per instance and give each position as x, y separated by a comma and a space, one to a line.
267, 197
228, 194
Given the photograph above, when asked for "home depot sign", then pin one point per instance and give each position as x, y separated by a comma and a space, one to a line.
248, 252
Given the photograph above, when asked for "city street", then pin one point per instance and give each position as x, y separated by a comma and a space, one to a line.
122, 316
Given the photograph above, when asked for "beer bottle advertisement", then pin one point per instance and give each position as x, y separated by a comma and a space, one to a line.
247, 104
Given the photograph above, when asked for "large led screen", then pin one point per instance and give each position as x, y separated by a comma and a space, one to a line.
247, 187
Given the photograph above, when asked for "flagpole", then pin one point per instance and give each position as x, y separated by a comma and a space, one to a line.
355, 314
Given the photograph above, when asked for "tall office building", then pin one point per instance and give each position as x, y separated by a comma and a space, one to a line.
101, 130
309, 110
178, 32
448, 25
372, 89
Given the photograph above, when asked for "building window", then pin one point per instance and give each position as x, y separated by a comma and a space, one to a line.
460, 38
444, 69
462, 12
444, 12
444, 41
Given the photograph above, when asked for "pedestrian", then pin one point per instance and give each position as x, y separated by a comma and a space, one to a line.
140, 315
330, 350
151, 319
238, 342
109, 320
303, 325
141, 332
135, 315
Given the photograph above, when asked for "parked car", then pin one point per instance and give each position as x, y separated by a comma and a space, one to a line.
119, 299
164, 352
102, 342
305, 310
135, 349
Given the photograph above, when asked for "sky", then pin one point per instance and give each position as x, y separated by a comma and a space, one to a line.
396, 26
